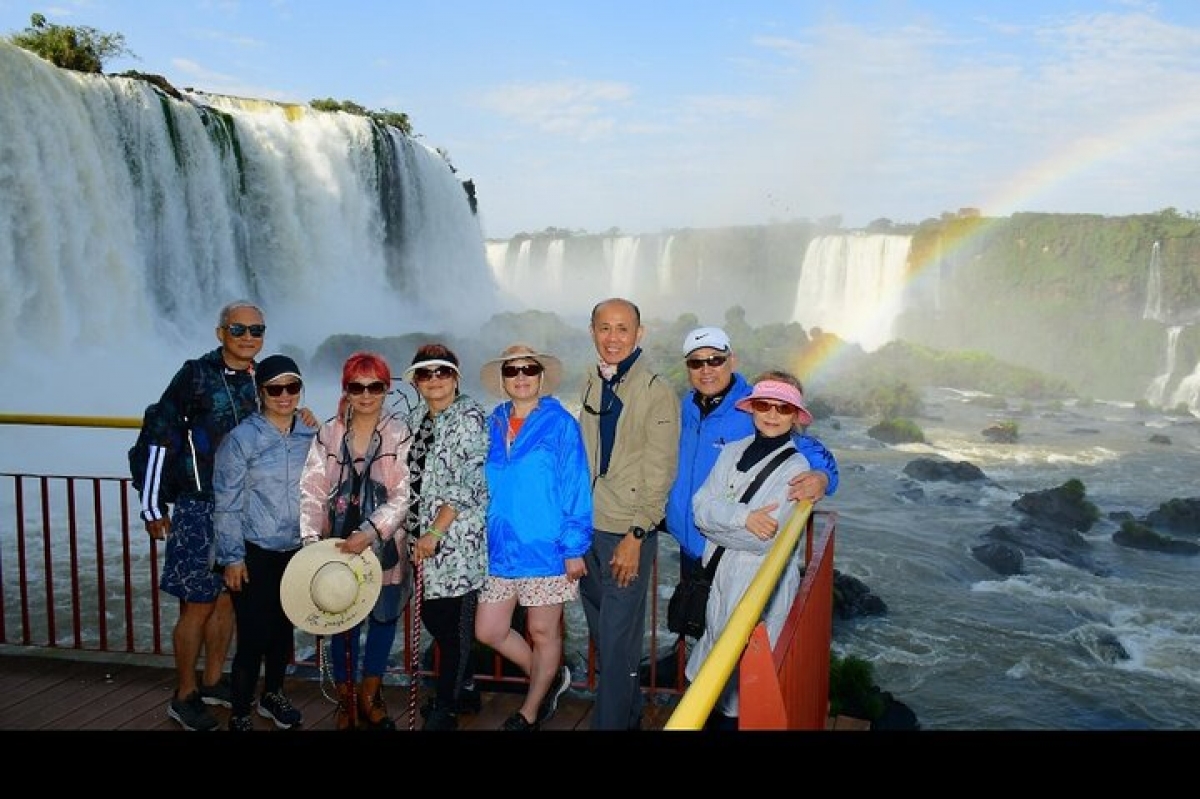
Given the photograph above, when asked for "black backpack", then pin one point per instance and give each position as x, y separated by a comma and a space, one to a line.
139, 459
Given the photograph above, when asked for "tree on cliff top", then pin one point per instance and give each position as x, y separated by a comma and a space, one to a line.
82, 49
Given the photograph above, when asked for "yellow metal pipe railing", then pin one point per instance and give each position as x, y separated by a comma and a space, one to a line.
71, 421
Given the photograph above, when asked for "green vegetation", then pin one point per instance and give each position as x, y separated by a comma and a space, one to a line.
852, 689
384, 117
80, 48
1075, 490
1002, 432
897, 431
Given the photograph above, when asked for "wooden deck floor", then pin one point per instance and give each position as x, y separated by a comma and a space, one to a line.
74, 691
83, 691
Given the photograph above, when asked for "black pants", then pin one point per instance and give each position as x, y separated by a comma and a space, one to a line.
451, 622
264, 632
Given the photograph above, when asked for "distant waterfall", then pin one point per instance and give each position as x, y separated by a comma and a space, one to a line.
1160, 392
128, 218
853, 285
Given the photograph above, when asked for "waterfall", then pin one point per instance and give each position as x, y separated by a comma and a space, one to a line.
1159, 392
853, 285
1156, 394
128, 218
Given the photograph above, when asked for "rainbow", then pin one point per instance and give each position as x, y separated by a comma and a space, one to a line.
1021, 192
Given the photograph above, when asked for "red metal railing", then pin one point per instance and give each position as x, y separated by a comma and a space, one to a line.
787, 688
83, 532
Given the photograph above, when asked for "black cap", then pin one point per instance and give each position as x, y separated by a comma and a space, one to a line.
274, 366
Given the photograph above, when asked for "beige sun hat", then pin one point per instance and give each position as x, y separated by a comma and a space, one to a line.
326, 591
490, 377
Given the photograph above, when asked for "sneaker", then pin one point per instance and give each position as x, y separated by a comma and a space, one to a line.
277, 708
469, 701
517, 723
439, 718
191, 713
219, 694
240, 724
557, 688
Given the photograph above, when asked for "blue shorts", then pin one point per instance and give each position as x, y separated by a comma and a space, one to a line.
188, 566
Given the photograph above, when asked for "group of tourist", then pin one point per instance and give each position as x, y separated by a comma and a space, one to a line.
488, 523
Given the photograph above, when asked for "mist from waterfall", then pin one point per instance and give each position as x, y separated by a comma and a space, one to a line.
128, 218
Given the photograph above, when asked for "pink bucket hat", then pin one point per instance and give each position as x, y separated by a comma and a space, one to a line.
782, 392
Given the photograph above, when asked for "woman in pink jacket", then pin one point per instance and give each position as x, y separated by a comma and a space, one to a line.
355, 486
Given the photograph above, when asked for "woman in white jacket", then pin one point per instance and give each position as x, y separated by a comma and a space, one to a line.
747, 528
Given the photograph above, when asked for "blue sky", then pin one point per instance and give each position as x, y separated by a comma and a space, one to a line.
662, 114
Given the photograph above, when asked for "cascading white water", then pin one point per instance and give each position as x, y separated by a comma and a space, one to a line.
128, 218
1159, 393
853, 286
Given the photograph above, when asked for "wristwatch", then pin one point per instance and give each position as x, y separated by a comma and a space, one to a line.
638, 532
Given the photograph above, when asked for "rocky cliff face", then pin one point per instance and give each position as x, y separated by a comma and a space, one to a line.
1070, 295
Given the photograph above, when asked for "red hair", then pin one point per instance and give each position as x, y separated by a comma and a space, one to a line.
370, 364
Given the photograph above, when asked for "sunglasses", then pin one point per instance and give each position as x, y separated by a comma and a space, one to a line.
424, 375
781, 408
374, 389
237, 330
529, 370
713, 360
292, 388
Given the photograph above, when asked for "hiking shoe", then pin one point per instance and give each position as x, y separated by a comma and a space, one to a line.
241, 724
469, 701
219, 694
517, 723
439, 718
277, 708
562, 682
191, 713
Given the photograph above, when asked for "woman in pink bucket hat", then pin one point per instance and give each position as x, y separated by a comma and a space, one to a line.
739, 520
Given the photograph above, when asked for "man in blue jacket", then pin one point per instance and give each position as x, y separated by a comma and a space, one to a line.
710, 421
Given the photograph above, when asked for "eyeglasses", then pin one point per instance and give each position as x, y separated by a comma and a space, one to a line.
601, 411
374, 389
424, 375
292, 388
237, 330
781, 408
529, 370
714, 361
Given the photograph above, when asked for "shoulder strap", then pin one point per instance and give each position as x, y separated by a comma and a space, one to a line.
710, 570
762, 476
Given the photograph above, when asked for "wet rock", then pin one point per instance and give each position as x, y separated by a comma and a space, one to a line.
1176, 516
936, 469
1001, 433
853, 598
1065, 505
1047, 541
1001, 557
1138, 536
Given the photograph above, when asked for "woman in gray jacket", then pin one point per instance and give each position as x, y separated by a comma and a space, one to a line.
256, 486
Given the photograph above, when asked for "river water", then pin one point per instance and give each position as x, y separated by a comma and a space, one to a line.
967, 648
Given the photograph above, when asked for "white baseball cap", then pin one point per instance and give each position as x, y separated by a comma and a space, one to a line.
705, 337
